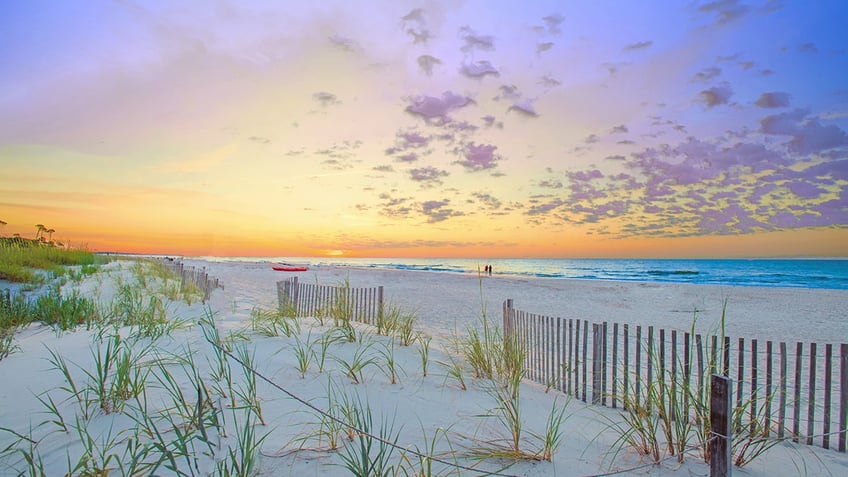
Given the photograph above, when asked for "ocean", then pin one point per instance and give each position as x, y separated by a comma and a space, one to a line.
794, 273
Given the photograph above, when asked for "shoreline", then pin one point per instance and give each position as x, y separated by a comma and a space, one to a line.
448, 301
821, 273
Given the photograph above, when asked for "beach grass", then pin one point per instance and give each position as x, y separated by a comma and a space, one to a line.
21, 259
141, 302
369, 452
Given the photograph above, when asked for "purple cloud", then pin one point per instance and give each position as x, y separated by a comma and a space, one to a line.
545, 208
488, 200
474, 41
620, 129
411, 157
585, 176
525, 108
437, 211
429, 176
433, 108
805, 190
716, 95
543, 47
427, 63
707, 74
637, 46
478, 69
783, 123
553, 22
419, 36
479, 157
773, 100
413, 139
508, 91
325, 98
724, 11
809, 136
345, 43
416, 15
395, 207
549, 82
550, 184
808, 48
490, 121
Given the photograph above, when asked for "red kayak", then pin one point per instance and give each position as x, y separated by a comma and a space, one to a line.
290, 268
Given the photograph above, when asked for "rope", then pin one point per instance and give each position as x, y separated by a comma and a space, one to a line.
350, 426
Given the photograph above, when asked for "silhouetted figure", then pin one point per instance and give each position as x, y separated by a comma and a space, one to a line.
490, 270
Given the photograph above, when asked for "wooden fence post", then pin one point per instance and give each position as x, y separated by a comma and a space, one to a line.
281, 293
507, 323
720, 426
294, 295
597, 363
380, 302
828, 390
843, 395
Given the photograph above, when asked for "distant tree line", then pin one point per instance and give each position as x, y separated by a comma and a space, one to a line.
43, 235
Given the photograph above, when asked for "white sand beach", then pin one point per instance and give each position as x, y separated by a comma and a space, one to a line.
431, 414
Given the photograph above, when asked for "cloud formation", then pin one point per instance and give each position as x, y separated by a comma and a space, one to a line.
436, 108
479, 157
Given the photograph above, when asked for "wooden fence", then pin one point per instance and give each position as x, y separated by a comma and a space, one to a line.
192, 275
799, 390
364, 305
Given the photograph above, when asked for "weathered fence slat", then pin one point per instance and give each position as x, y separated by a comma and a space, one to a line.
754, 377
740, 379
811, 408
626, 359
637, 365
585, 346
597, 362
843, 396
796, 415
828, 373
781, 406
614, 392
769, 384
604, 388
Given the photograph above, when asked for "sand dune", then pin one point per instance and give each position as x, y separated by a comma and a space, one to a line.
419, 410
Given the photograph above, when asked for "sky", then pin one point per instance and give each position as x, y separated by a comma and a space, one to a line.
593, 128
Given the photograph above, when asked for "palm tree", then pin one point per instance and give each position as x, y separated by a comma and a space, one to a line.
41, 228
50, 233
2, 224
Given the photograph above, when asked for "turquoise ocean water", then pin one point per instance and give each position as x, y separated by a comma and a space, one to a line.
797, 273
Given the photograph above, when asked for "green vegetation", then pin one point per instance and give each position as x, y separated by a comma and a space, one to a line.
141, 302
20, 260
670, 416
